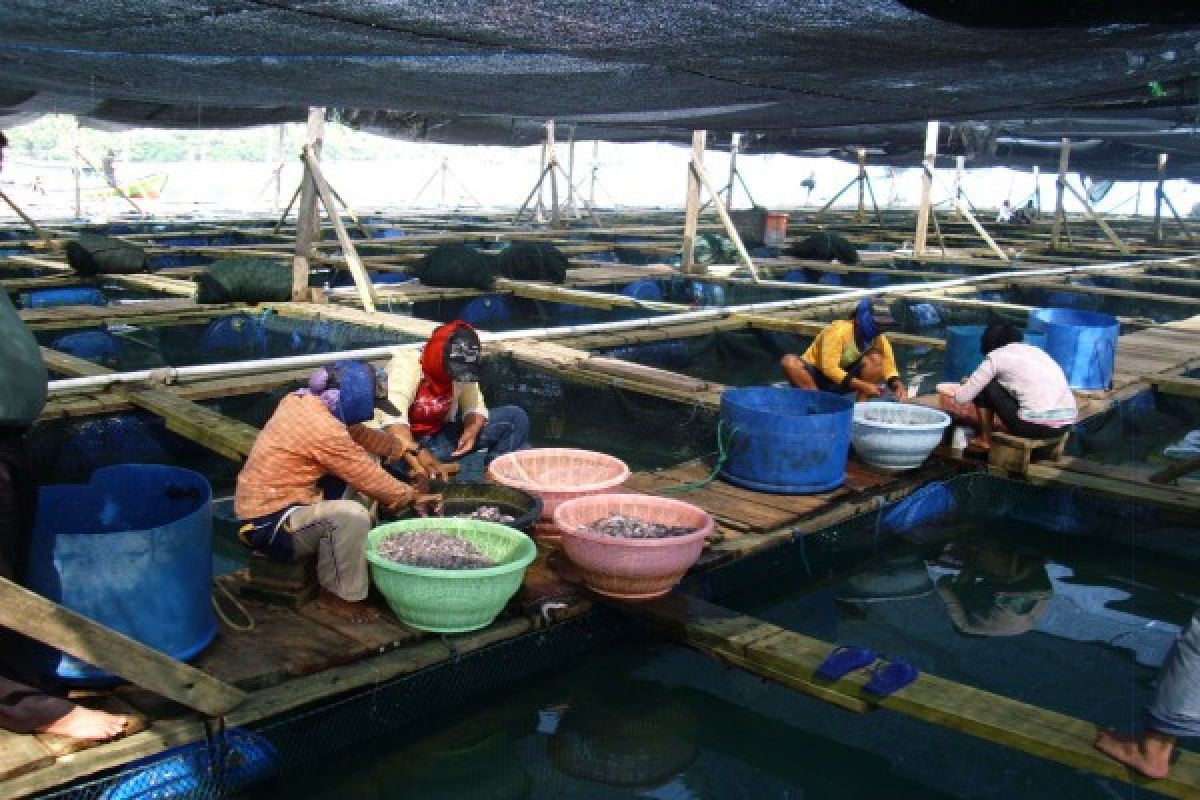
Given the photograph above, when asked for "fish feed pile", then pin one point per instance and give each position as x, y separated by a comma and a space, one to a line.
626, 527
488, 514
436, 550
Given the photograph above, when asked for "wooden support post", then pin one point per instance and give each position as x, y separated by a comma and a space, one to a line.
551, 163
1060, 214
730, 228
734, 142
536, 188
1037, 189
959, 162
861, 214
307, 221
983, 234
595, 169
277, 157
691, 215
1109, 232
1158, 197
931, 136
366, 291
110, 182
354, 218
570, 173
37, 231
288, 209
47, 622
834, 199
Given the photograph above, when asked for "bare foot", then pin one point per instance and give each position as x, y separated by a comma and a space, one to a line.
353, 612
1150, 755
86, 723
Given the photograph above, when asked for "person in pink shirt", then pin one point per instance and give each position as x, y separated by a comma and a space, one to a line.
1020, 384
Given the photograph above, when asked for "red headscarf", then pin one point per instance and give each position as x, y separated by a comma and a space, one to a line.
435, 393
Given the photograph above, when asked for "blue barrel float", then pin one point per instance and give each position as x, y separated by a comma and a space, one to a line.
785, 441
132, 550
1084, 343
74, 296
964, 348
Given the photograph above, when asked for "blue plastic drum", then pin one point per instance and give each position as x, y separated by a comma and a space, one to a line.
132, 549
963, 350
1084, 343
786, 441
49, 298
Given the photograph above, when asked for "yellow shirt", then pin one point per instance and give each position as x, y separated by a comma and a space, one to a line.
834, 350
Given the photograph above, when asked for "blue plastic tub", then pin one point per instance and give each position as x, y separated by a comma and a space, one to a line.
963, 353
964, 348
132, 549
74, 296
786, 441
1084, 343
645, 289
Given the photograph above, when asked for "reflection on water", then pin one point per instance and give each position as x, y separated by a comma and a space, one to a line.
991, 590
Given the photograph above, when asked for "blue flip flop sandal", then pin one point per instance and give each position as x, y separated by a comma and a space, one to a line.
843, 660
889, 677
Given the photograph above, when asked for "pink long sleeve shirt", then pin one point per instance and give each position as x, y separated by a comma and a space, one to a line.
1035, 380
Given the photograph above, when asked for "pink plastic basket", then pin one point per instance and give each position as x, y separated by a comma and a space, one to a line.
558, 474
632, 568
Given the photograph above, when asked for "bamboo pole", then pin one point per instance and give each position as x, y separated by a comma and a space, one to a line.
861, 214
307, 221
47, 622
1060, 214
931, 136
366, 290
691, 216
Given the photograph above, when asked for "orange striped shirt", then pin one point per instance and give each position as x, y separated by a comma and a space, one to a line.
301, 443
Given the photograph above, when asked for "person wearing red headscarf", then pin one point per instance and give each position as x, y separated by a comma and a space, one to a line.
443, 416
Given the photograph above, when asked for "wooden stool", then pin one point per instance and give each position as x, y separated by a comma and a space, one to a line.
292, 584
1014, 453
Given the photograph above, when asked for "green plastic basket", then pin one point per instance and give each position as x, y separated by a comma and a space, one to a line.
452, 600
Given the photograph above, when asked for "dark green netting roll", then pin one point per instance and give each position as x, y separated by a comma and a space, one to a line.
92, 254
247, 280
532, 261
457, 266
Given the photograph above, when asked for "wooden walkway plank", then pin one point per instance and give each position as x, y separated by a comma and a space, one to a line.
792, 658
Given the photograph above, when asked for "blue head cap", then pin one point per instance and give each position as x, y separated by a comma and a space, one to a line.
355, 381
869, 322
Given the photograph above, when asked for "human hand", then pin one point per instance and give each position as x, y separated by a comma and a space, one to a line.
466, 443
901, 392
429, 465
869, 389
429, 505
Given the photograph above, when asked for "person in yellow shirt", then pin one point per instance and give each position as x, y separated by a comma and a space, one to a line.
849, 355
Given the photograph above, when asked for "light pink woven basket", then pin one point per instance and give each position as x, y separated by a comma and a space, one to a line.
558, 474
632, 568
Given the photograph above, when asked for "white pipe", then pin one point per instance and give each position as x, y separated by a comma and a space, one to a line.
319, 359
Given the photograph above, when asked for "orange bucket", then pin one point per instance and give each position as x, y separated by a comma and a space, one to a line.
775, 230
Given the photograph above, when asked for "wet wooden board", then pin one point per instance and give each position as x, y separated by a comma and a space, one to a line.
747, 510
21, 753
385, 634
298, 644
791, 659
